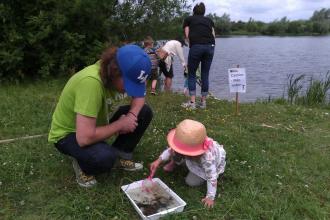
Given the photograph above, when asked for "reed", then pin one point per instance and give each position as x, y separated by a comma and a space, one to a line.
294, 86
316, 93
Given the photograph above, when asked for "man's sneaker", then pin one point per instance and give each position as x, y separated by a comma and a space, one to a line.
189, 105
202, 105
83, 179
128, 165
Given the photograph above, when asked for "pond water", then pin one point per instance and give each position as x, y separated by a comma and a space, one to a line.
267, 60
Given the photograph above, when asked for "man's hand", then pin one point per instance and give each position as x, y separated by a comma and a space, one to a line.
208, 203
128, 123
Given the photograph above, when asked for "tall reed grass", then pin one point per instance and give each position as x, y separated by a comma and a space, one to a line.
294, 86
316, 92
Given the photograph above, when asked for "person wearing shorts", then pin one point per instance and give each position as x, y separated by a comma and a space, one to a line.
166, 54
163, 69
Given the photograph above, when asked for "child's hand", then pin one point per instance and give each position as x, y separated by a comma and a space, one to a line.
208, 203
154, 165
185, 71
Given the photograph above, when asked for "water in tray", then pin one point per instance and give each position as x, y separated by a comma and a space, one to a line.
154, 201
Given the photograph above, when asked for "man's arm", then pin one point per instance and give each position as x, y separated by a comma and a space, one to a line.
88, 133
137, 104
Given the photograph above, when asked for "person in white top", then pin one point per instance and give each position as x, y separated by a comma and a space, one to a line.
204, 157
166, 54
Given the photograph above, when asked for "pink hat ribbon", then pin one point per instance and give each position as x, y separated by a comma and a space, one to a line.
207, 143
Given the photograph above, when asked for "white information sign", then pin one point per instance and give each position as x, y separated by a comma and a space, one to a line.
237, 80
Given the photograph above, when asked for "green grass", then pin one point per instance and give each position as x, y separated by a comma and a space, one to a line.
278, 159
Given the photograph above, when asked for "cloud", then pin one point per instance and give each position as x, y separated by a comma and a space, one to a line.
266, 10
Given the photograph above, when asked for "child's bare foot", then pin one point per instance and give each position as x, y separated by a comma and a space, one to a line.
170, 166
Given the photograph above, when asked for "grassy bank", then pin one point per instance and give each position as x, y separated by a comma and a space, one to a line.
277, 161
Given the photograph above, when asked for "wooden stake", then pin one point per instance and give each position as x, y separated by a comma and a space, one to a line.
237, 101
237, 106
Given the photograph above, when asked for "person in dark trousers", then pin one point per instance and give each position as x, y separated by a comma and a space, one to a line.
81, 122
199, 31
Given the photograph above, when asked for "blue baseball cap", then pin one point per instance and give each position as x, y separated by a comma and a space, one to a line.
135, 66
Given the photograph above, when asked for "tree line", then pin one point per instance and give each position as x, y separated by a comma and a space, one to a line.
318, 24
42, 38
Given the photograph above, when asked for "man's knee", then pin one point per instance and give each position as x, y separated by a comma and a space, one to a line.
146, 113
106, 158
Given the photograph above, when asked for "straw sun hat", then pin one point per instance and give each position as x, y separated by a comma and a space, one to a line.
189, 138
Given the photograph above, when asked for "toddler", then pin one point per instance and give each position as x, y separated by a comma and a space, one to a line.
203, 156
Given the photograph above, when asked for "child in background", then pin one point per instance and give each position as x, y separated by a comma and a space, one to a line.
149, 49
204, 157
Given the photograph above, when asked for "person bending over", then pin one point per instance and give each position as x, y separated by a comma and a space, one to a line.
81, 122
166, 54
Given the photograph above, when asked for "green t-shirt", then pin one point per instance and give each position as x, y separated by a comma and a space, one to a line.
85, 94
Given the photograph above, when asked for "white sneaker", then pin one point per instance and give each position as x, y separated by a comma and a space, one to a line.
129, 165
83, 179
189, 105
202, 105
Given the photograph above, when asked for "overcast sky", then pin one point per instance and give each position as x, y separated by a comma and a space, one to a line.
264, 10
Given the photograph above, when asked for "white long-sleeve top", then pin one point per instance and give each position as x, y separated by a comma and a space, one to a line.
208, 166
173, 48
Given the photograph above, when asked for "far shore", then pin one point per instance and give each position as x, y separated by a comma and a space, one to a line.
246, 34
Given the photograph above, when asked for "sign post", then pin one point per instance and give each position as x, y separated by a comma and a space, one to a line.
237, 83
237, 105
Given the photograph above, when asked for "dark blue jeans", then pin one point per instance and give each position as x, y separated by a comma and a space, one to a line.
100, 157
199, 53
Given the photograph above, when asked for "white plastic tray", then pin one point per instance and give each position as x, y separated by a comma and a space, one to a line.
179, 203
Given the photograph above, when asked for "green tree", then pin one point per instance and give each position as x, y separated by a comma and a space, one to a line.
323, 14
251, 25
50, 37
238, 26
278, 27
321, 21
222, 24
296, 27
321, 27
308, 27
